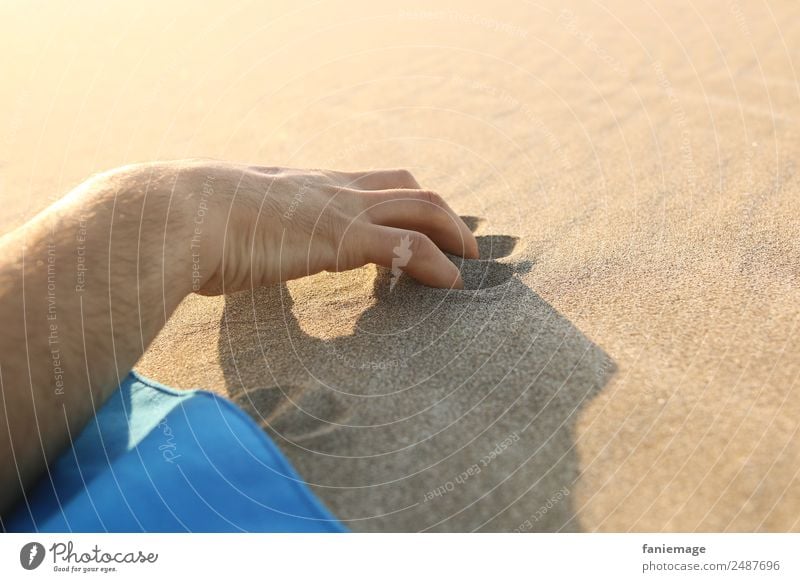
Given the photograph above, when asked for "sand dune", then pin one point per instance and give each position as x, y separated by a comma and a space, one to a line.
626, 356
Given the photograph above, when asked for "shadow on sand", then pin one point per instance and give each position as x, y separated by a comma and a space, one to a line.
441, 410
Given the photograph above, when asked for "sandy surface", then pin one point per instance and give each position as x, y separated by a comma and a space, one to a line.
627, 357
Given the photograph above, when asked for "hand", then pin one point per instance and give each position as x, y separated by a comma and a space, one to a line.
259, 225
151, 233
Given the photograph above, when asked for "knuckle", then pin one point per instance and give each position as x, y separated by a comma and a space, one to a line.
340, 229
420, 243
332, 226
404, 177
433, 198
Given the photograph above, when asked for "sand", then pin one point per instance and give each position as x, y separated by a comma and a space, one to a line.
627, 354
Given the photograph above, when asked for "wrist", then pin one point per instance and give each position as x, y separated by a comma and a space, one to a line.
139, 231
205, 226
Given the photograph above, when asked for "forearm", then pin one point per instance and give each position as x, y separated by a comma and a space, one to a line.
84, 288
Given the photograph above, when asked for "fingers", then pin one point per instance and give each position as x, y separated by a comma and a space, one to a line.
409, 251
426, 212
377, 179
